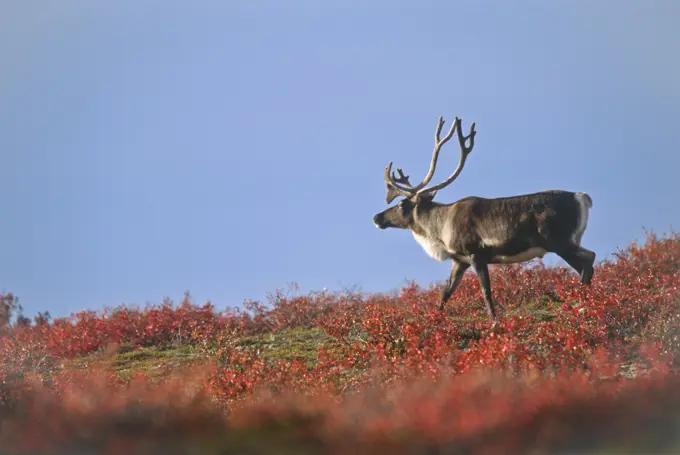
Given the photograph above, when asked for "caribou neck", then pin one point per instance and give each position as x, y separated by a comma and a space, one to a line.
430, 220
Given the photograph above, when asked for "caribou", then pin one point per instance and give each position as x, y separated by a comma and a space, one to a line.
478, 231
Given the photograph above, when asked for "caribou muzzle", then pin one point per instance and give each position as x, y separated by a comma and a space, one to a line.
380, 221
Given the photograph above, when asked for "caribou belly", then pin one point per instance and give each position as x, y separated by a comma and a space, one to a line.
437, 250
523, 256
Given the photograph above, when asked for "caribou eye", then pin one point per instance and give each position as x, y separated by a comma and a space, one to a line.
403, 206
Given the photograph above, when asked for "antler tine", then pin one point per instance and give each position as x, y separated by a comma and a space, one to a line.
470, 137
402, 179
400, 186
394, 189
464, 152
438, 142
401, 182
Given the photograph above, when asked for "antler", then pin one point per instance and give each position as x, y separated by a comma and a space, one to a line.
435, 153
394, 184
401, 186
464, 152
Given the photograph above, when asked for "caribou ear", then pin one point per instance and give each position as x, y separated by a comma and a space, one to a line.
426, 196
391, 194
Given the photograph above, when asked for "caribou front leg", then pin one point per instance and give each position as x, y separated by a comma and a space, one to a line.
457, 271
482, 269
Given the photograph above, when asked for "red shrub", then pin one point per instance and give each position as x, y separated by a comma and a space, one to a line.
401, 377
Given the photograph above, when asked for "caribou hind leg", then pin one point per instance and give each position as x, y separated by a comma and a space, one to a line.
580, 259
567, 246
588, 258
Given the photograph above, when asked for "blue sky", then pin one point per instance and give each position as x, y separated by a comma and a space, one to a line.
232, 147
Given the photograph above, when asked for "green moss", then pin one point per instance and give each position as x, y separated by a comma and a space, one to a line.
544, 309
150, 360
288, 344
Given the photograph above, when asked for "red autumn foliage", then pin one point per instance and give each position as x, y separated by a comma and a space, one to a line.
569, 367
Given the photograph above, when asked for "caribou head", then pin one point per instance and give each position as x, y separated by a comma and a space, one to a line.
419, 198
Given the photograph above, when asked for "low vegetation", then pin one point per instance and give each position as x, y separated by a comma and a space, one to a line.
569, 369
